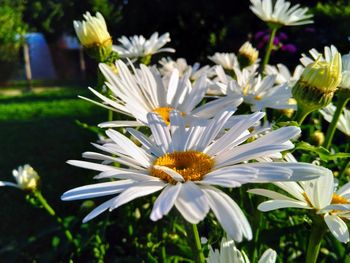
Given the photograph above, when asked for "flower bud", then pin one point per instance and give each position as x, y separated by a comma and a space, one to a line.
318, 138
317, 84
247, 55
26, 177
94, 36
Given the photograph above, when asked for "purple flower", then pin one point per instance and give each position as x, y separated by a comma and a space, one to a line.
289, 48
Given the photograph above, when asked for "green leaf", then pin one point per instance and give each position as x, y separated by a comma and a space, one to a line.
322, 152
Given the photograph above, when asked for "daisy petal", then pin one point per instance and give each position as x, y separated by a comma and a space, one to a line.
337, 227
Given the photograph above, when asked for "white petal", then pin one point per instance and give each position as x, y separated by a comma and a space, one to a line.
277, 204
160, 132
165, 201
137, 190
337, 227
192, 203
100, 209
270, 194
96, 190
175, 175
269, 256
230, 216
5, 183
116, 124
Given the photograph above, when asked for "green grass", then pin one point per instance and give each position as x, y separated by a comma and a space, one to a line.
40, 129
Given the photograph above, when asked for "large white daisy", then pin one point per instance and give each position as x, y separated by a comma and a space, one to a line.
318, 195
139, 46
282, 13
142, 91
185, 163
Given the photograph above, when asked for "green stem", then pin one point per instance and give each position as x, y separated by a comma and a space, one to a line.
52, 213
300, 115
333, 125
268, 49
317, 232
195, 243
110, 115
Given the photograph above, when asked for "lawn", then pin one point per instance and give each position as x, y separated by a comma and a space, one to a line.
40, 129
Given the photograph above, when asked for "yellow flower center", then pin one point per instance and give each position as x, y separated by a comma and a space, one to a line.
258, 97
192, 165
164, 112
337, 199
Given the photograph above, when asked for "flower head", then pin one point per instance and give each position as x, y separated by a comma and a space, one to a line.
316, 195
228, 253
139, 47
281, 14
318, 82
227, 60
94, 36
26, 178
138, 92
247, 55
185, 163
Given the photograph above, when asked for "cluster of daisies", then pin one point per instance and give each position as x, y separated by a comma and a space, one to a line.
205, 129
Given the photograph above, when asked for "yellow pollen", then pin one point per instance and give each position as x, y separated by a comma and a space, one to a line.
258, 97
337, 199
192, 165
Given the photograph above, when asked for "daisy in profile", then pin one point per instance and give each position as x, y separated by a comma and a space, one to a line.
138, 92
186, 163
139, 47
318, 196
228, 253
194, 71
280, 14
343, 123
283, 75
228, 61
26, 178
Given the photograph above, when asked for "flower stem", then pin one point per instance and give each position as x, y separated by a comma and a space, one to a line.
52, 213
333, 125
268, 49
300, 115
317, 232
195, 243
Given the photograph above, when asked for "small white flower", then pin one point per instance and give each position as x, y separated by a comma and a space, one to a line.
228, 253
247, 54
281, 14
319, 195
343, 123
138, 46
93, 31
185, 163
194, 72
283, 75
26, 178
142, 91
262, 93
227, 60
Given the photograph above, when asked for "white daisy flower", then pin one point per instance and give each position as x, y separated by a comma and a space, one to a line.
281, 14
138, 46
319, 195
195, 71
185, 163
283, 75
219, 85
262, 93
26, 178
329, 53
227, 60
228, 253
343, 123
143, 91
